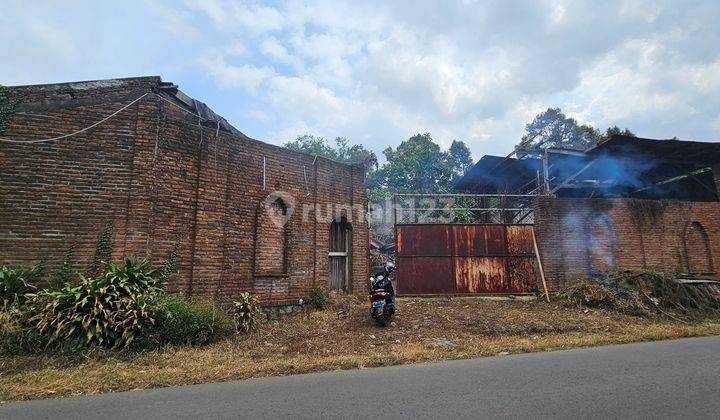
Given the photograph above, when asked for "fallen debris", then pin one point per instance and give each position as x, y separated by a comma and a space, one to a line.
647, 293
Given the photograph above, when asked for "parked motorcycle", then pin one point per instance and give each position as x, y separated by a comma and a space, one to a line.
382, 296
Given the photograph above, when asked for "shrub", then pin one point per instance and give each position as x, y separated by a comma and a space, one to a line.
10, 333
103, 251
319, 297
64, 274
107, 310
245, 311
182, 322
14, 286
14, 337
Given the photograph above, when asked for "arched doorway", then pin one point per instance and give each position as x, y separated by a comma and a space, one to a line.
600, 244
697, 250
340, 255
271, 239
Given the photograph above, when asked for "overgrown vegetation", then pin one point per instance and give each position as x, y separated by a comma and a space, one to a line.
110, 306
647, 211
108, 310
181, 322
646, 293
125, 306
319, 297
168, 266
103, 251
342, 338
7, 108
14, 285
245, 312
64, 274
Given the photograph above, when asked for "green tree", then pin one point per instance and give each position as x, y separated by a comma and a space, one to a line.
460, 159
552, 128
418, 165
615, 130
342, 151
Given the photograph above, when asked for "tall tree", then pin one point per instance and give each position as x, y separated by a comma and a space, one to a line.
460, 159
615, 130
342, 151
418, 165
552, 128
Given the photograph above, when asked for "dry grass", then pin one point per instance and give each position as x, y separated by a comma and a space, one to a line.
343, 337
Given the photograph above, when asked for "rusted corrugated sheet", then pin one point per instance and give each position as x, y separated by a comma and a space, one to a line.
440, 259
425, 275
481, 275
520, 240
424, 240
479, 240
521, 273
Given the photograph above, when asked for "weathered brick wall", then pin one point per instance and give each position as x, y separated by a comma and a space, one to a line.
61, 194
581, 237
165, 183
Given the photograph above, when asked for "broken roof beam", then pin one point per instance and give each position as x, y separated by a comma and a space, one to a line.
572, 177
591, 183
536, 152
565, 151
675, 179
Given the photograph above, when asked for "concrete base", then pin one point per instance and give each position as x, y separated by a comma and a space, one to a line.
272, 313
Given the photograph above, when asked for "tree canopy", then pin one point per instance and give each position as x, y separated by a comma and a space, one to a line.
418, 165
342, 151
552, 128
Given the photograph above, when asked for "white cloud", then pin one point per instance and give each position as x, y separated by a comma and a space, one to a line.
704, 77
276, 51
303, 97
236, 49
226, 75
378, 72
234, 16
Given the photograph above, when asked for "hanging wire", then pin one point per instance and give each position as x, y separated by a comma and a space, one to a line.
79, 131
64, 136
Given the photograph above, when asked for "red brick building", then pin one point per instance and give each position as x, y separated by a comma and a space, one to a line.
626, 203
579, 238
165, 173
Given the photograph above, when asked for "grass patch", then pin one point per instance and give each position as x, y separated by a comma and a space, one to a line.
342, 337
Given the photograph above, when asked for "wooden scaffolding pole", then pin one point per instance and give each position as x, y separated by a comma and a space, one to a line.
539, 260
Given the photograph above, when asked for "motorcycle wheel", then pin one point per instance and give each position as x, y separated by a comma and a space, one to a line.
383, 320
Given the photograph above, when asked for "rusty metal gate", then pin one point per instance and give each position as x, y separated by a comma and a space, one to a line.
461, 259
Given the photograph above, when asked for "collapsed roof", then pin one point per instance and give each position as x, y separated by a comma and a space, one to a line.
199, 108
93, 91
623, 166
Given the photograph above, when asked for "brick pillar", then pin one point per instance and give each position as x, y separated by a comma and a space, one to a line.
716, 175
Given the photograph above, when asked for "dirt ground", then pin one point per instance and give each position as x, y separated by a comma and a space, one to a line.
343, 337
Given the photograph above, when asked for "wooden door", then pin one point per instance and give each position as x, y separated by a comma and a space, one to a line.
339, 255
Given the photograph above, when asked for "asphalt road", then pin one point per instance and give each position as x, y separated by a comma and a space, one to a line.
666, 379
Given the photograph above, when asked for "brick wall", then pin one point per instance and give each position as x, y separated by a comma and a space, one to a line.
581, 237
163, 182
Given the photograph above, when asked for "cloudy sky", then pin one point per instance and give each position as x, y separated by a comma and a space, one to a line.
379, 72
